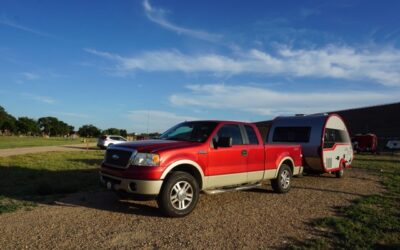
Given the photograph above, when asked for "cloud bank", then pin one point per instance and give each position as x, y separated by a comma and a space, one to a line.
266, 102
376, 65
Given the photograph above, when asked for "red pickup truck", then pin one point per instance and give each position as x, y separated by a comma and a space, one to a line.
208, 156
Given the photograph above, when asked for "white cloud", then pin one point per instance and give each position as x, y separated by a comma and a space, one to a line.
12, 24
377, 65
30, 76
266, 102
157, 15
156, 120
39, 98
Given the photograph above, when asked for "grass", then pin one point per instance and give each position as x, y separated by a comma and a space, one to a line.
372, 222
26, 180
32, 141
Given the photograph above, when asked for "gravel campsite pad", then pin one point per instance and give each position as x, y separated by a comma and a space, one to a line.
249, 219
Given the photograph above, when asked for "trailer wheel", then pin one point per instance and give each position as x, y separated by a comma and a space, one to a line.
283, 182
340, 173
179, 195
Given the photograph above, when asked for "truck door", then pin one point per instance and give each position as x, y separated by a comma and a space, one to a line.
255, 155
227, 166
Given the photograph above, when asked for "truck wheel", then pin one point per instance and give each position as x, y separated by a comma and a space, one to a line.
283, 182
179, 195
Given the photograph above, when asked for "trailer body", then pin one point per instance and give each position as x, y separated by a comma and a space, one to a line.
324, 139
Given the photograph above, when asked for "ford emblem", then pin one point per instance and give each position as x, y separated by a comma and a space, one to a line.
115, 157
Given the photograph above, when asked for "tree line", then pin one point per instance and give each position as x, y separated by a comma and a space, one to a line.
50, 126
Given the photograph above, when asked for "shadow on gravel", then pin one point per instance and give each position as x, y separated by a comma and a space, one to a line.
109, 201
77, 187
259, 190
327, 190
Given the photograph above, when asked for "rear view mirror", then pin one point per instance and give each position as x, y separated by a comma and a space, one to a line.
224, 142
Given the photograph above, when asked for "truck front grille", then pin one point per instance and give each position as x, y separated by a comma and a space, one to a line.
118, 158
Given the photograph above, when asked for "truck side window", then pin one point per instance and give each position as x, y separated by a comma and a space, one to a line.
251, 135
230, 130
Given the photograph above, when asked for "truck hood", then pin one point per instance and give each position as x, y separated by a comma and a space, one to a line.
152, 146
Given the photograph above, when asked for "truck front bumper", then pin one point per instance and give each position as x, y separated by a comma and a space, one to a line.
136, 187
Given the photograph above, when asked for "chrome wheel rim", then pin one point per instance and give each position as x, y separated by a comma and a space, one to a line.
285, 179
181, 195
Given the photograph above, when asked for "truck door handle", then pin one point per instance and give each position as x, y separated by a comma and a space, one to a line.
244, 152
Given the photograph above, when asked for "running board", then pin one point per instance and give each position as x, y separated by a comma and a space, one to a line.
225, 190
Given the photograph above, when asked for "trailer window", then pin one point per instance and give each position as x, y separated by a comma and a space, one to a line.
333, 136
291, 134
251, 135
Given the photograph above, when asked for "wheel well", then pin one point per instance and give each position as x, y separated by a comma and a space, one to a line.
190, 170
289, 163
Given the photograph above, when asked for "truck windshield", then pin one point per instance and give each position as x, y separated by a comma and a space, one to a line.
190, 131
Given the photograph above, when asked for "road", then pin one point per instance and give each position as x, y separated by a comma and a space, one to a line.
42, 149
252, 219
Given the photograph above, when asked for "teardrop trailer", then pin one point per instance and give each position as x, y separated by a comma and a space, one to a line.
324, 139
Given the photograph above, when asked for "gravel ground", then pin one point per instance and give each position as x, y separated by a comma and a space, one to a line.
42, 149
249, 219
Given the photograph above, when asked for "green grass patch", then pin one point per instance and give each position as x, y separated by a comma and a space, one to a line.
372, 222
27, 179
31, 141
377, 162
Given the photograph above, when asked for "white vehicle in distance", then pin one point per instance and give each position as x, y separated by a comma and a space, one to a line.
105, 141
393, 145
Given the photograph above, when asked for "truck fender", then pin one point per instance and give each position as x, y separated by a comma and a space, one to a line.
183, 162
281, 162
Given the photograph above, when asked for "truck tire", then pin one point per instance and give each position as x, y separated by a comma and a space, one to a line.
179, 195
283, 182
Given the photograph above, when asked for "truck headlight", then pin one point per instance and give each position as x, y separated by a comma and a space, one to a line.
144, 159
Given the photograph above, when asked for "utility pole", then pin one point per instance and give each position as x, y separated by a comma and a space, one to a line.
148, 121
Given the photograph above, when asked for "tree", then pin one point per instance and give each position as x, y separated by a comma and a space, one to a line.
27, 126
111, 131
71, 130
89, 131
7, 122
115, 131
53, 127
123, 132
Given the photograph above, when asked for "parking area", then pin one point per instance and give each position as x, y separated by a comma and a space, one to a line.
251, 219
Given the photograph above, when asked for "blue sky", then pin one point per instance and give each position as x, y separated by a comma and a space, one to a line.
146, 65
